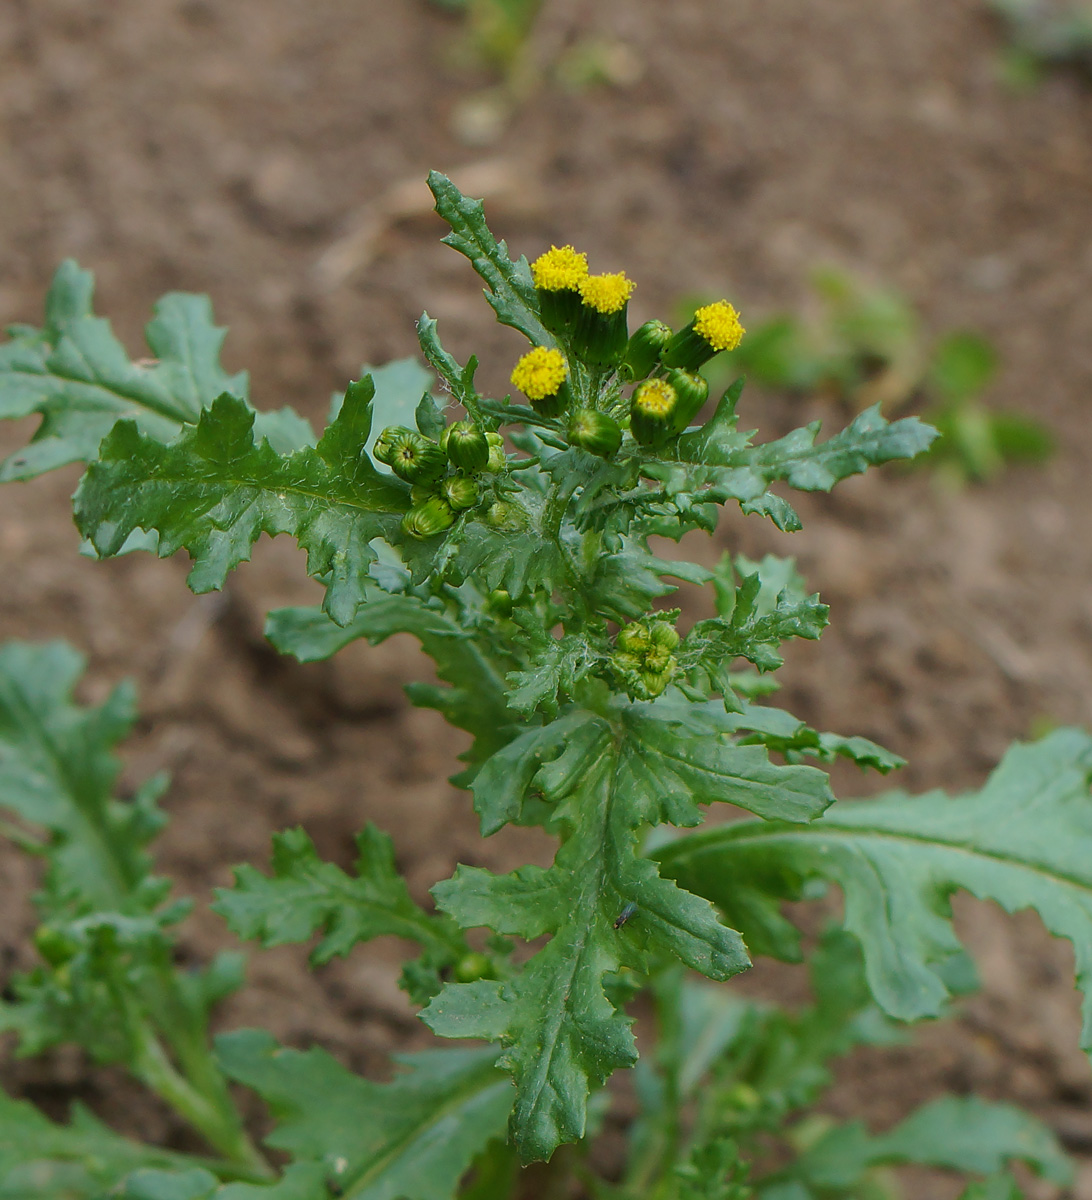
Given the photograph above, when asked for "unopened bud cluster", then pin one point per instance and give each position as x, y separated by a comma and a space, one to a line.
644, 661
443, 474
587, 315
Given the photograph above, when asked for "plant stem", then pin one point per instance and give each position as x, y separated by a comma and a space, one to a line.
221, 1129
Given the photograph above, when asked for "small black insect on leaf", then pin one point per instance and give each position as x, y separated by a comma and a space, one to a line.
624, 915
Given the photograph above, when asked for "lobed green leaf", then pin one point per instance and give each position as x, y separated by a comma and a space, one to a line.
598, 781
218, 487
306, 895
1019, 841
410, 1139
510, 288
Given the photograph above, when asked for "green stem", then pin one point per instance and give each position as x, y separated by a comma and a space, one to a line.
557, 502
223, 1131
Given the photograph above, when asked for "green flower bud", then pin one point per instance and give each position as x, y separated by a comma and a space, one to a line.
500, 602
506, 516
643, 349
692, 391
643, 660
428, 519
383, 450
663, 634
415, 458
55, 947
460, 491
420, 492
465, 444
473, 966
634, 639
595, 432
653, 683
652, 411
715, 327
498, 458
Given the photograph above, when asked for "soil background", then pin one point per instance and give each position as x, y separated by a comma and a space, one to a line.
272, 153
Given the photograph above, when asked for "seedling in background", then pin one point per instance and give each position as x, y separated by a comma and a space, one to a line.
502, 36
513, 541
1043, 35
866, 346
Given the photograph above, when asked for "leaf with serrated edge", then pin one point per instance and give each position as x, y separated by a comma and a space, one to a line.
77, 376
216, 489
58, 768
306, 895
79, 1161
604, 780
960, 1133
301, 1181
511, 290
718, 463
410, 1139
1020, 841
399, 386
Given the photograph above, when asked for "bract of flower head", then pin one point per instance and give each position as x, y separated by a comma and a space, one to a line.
561, 268
719, 325
540, 372
606, 293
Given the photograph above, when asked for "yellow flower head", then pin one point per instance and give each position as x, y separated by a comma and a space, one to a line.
719, 325
540, 373
561, 268
606, 293
656, 397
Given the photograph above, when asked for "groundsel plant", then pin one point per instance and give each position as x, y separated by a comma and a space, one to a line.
512, 539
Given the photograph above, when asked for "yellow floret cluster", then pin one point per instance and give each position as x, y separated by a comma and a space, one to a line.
655, 397
606, 293
719, 325
540, 372
561, 268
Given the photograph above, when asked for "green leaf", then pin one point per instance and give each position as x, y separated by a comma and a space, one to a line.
41, 1160
959, 1133
602, 781
519, 561
306, 895
725, 466
459, 379
195, 1184
399, 387
1019, 841
510, 288
58, 769
963, 366
77, 376
217, 488
301, 1181
475, 701
751, 633
556, 667
411, 1139
782, 732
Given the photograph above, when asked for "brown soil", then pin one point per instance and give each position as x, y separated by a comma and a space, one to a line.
183, 144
